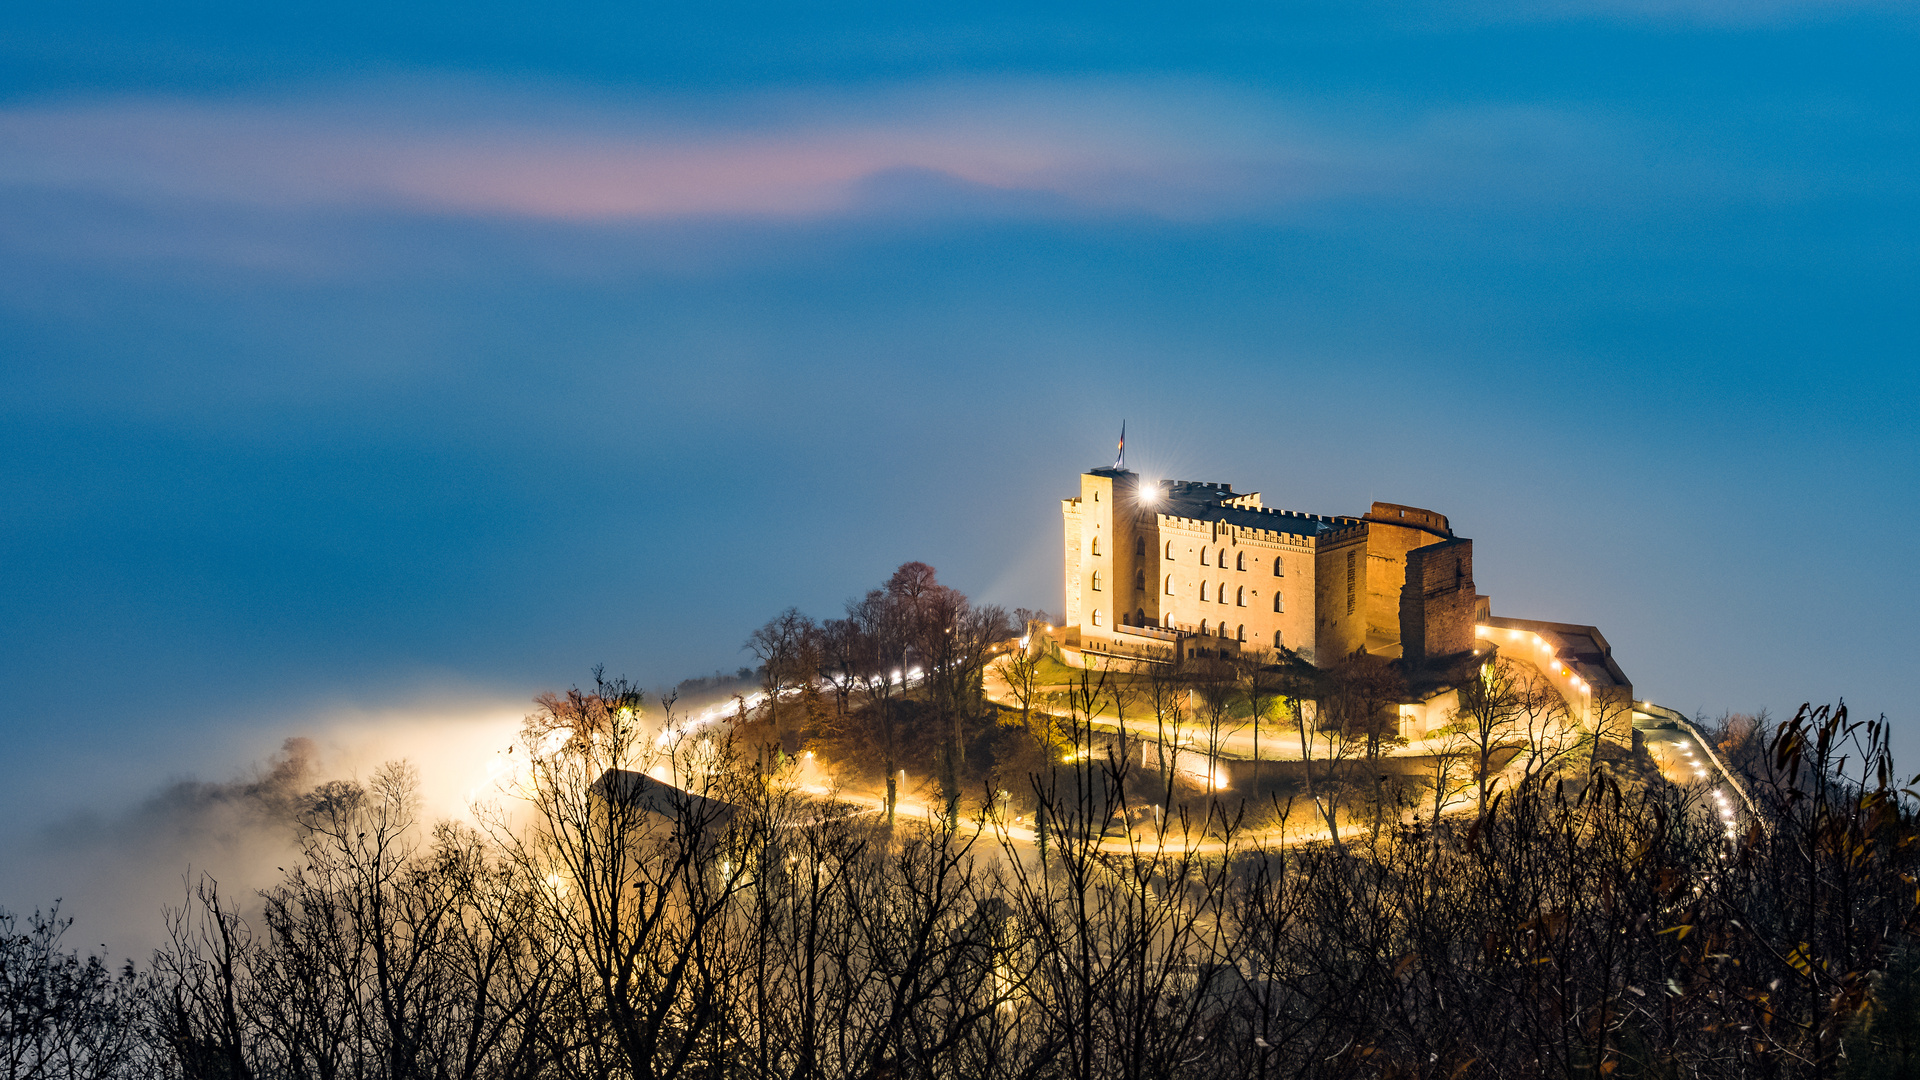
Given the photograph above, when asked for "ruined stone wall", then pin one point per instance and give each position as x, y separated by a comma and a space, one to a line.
1437, 601
1392, 531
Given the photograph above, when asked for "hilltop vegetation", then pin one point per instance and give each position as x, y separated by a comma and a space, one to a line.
598, 924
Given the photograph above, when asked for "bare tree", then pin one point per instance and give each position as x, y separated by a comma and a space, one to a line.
787, 647
1166, 695
1453, 755
879, 671
64, 1015
1263, 685
1327, 745
1544, 730
625, 929
1019, 669
1490, 703
1610, 715
203, 1012
1216, 686
1362, 695
636, 879
952, 639
839, 659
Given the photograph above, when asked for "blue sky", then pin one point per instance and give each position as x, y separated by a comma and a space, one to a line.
360, 360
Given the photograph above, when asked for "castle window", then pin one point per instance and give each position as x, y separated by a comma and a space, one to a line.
1169, 551
1278, 603
1223, 558
1203, 592
1203, 558
1140, 617
1140, 546
1096, 581
1096, 545
1223, 630
1203, 628
1169, 584
1240, 597
1278, 570
1350, 582
1240, 561
1140, 580
1096, 616
1278, 641
1243, 632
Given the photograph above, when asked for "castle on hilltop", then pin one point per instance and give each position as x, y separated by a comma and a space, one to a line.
1159, 571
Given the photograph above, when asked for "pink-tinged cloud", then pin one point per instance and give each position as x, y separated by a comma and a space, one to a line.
1181, 154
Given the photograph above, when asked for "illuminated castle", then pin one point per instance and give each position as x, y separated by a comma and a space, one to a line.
1162, 570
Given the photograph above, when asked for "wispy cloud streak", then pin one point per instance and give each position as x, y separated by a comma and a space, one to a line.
1179, 152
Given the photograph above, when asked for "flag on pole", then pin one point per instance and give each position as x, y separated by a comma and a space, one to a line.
1120, 461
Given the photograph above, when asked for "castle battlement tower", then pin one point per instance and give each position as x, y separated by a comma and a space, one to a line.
1162, 570
1159, 568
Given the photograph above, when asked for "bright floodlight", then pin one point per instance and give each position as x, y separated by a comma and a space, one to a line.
1150, 492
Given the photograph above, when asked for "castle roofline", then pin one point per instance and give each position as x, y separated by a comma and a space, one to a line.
1410, 517
1583, 647
1198, 500
1211, 501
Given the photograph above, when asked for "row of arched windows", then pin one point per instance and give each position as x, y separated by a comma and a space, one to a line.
1237, 635
1218, 594
1239, 559
1209, 592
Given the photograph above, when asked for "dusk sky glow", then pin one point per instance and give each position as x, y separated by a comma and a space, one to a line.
359, 360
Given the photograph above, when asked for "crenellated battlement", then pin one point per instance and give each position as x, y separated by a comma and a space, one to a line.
1197, 569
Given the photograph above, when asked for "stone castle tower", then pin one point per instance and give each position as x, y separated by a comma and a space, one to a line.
1161, 570
1159, 567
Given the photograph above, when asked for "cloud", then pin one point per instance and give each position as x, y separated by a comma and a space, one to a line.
115, 867
1173, 150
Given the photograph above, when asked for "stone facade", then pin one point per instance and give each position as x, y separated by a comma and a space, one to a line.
1392, 531
1437, 601
1157, 567
1158, 570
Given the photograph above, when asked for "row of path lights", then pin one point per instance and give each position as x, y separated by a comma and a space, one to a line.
1719, 791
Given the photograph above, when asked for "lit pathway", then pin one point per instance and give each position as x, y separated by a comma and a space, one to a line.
1236, 738
1685, 759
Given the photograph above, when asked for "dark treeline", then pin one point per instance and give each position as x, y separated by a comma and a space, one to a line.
902, 675
589, 929
846, 689
1539, 908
